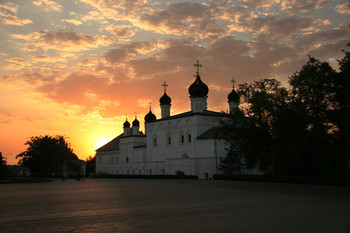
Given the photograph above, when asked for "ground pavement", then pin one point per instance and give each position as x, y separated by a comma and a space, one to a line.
173, 206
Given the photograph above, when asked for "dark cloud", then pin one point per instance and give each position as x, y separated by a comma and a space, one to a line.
183, 18
116, 55
65, 37
151, 66
306, 6
281, 26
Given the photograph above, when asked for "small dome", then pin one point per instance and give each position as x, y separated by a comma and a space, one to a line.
233, 96
126, 124
198, 88
165, 99
135, 123
150, 117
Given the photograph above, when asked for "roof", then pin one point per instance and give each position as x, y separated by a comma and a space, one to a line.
112, 145
191, 113
212, 133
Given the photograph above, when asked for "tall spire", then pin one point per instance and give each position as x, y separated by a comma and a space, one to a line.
197, 65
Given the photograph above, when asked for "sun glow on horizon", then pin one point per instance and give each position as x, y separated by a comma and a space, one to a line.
101, 141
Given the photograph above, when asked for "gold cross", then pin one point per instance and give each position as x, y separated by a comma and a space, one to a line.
197, 65
233, 81
165, 86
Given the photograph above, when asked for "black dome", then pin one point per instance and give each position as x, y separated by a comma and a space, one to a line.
233, 96
198, 88
126, 124
150, 117
135, 123
165, 99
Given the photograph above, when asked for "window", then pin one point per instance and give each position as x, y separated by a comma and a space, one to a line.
154, 141
168, 139
182, 138
188, 136
127, 159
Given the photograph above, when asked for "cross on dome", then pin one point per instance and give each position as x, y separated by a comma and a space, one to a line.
233, 82
165, 86
197, 65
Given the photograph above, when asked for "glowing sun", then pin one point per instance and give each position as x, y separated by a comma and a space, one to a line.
101, 142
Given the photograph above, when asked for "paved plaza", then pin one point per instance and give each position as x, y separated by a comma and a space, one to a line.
156, 206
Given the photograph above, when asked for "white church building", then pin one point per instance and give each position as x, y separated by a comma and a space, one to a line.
184, 142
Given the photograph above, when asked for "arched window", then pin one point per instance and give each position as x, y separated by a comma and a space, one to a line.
182, 138
189, 136
154, 141
168, 139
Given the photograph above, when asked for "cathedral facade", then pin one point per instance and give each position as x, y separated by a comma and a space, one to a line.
184, 142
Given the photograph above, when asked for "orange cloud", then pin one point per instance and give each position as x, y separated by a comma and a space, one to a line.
72, 21
16, 63
120, 31
9, 6
48, 5
93, 15
182, 19
9, 19
68, 41
343, 8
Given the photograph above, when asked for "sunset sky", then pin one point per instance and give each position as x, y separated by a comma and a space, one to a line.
79, 68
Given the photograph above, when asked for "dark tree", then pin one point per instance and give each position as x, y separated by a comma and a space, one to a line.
264, 100
341, 113
232, 163
3, 166
314, 90
303, 131
313, 87
90, 165
47, 155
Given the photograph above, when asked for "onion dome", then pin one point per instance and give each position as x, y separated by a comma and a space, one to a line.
135, 123
165, 99
150, 117
126, 124
233, 96
198, 88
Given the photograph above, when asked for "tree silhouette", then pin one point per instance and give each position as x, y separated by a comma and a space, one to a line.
90, 165
300, 131
47, 155
3, 166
